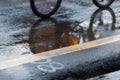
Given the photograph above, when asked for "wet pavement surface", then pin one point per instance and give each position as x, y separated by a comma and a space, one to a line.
74, 67
19, 27
22, 33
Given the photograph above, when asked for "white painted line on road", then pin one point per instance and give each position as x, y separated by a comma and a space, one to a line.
57, 52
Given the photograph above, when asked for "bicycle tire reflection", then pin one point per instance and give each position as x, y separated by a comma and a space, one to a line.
49, 34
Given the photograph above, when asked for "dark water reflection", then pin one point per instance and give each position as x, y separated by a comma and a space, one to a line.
51, 34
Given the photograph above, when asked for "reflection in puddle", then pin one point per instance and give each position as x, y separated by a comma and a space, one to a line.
52, 34
46, 36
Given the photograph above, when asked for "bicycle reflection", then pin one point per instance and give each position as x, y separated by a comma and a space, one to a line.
45, 35
99, 20
51, 34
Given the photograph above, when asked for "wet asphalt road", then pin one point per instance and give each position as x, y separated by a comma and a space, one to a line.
74, 67
19, 26
17, 21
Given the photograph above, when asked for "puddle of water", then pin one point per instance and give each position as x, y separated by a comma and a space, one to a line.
69, 27
51, 34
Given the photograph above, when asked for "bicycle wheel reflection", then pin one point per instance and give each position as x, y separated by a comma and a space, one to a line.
102, 20
46, 34
43, 36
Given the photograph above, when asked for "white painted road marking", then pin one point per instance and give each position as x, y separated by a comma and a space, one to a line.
57, 52
51, 67
48, 65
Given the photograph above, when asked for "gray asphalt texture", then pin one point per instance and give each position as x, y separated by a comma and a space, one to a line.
18, 25
77, 65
